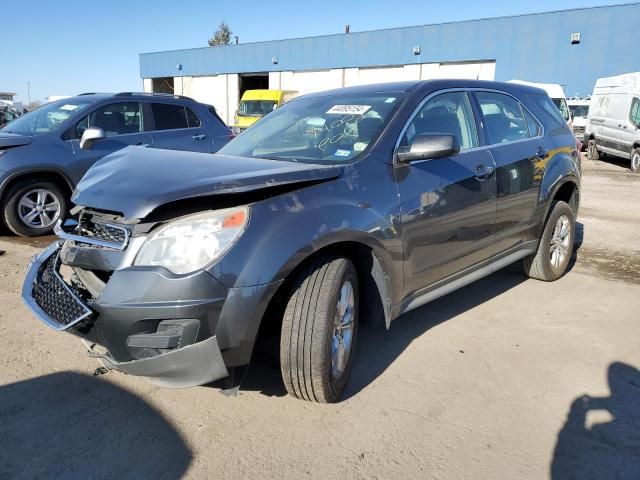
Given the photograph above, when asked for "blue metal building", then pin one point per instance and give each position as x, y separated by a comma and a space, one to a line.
538, 47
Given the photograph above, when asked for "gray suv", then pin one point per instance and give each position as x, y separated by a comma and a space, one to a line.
41, 160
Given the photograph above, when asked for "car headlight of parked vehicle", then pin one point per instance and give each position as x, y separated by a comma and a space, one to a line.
190, 243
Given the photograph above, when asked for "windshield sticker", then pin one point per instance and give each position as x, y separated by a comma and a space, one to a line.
69, 107
390, 100
359, 146
342, 153
348, 109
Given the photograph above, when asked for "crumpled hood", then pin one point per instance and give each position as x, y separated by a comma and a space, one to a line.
8, 140
136, 180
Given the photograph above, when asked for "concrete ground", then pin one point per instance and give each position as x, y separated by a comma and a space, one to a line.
507, 378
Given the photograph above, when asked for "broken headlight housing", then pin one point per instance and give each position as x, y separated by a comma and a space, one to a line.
190, 243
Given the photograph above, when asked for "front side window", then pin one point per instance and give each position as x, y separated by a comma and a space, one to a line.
169, 117
46, 118
503, 117
322, 129
634, 114
447, 114
114, 119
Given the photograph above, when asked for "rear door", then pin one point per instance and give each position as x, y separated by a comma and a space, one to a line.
448, 205
518, 147
177, 127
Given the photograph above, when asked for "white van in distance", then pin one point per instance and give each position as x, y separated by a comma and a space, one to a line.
556, 93
613, 124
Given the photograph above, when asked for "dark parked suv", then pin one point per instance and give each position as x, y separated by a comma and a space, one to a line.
338, 207
41, 160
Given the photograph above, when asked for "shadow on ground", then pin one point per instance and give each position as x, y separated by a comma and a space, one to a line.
602, 449
378, 348
70, 425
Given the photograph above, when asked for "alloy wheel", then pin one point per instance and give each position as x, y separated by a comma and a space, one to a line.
39, 208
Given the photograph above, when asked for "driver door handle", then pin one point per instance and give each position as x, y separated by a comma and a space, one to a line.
482, 172
200, 136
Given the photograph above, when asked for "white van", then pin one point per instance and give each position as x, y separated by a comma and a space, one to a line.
579, 108
556, 93
613, 124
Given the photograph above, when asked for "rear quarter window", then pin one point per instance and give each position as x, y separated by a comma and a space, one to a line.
552, 114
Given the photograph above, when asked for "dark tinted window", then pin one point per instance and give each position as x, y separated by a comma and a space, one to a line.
503, 117
114, 119
634, 114
550, 109
192, 118
169, 117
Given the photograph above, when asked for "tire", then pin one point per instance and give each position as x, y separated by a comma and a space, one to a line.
310, 369
635, 160
592, 150
54, 206
544, 265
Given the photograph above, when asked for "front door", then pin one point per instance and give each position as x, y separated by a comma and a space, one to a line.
122, 122
448, 205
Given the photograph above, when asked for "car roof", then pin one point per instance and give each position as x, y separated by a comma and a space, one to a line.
99, 97
430, 85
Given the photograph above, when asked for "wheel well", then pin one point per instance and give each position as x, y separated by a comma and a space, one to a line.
371, 301
568, 193
54, 177
636, 145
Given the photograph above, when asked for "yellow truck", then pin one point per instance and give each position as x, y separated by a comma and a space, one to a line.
255, 104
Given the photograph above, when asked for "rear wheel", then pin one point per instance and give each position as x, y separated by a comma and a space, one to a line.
635, 160
32, 207
592, 150
319, 330
556, 245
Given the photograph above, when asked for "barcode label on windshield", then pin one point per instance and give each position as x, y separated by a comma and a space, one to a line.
348, 109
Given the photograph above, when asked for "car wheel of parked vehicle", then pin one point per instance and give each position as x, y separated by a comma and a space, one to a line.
319, 330
635, 160
33, 207
592, 150
556, 245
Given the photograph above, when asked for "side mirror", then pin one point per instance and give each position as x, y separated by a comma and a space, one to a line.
430, 146
90, 135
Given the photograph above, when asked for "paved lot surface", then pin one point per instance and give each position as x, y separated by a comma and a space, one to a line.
507, 378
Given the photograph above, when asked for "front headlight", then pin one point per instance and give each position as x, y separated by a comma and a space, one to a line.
190, 243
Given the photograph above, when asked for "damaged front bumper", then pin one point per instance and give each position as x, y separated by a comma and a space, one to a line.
173, 347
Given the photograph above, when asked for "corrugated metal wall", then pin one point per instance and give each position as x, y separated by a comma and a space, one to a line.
533, 47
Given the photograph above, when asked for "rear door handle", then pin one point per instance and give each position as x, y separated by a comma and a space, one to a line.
482, 172
200, 136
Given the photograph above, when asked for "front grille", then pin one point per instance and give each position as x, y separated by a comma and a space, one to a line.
92, 227
61, 301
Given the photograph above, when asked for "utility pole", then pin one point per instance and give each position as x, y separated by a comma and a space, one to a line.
28, 94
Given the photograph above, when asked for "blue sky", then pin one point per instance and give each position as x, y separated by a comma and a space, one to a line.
65, 47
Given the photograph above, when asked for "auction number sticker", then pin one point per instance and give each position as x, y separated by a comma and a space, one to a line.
348, 109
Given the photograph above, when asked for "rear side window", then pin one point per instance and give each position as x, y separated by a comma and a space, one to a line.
535, 129
634, 114
504, 117
169, 117
544, 102
192, 118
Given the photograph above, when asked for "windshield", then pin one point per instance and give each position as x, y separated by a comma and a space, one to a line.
332, 128
256, 108
45, 118
579, 110
561, 103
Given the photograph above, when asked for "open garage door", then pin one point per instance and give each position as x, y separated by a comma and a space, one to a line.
252, 81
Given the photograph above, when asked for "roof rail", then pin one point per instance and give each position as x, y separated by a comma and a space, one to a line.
86, 93
152, 94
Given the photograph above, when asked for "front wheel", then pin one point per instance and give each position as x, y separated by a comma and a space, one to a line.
319, 330
592, 150
635, 160
32, 207
556, 245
